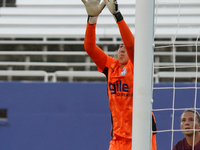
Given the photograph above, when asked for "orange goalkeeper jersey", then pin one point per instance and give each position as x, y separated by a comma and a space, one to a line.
120, 93
119, 80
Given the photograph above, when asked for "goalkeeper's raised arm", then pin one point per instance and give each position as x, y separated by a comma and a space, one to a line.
126, 34
93, 8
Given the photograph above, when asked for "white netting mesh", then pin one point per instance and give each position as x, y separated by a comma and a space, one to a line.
179, 73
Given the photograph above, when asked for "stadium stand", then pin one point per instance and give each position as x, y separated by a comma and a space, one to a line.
48, 35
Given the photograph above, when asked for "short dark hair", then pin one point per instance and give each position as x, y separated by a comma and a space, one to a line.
193, 111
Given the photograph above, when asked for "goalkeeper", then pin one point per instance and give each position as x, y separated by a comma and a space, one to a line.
119, 73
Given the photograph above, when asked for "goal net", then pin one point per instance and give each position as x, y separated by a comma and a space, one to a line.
176, 66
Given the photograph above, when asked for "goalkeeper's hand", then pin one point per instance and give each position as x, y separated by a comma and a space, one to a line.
93, 8
113, 8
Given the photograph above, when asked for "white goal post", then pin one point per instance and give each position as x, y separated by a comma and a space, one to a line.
143, 75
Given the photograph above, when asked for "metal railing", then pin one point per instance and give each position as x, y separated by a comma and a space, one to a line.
88, 74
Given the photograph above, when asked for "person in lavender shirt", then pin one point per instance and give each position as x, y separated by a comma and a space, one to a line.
190, 119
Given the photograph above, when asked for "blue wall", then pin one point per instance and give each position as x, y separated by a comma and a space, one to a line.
74, 116
60, 116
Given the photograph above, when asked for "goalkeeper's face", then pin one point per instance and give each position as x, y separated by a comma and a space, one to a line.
122, 55
188, 122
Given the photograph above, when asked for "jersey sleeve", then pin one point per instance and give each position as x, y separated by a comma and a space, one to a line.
107, 65
96, 54
127, 38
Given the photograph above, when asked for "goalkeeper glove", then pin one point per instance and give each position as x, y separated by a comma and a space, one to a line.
113, 8
93, 8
